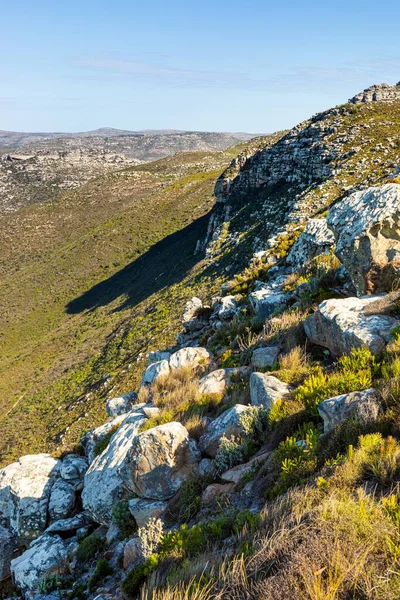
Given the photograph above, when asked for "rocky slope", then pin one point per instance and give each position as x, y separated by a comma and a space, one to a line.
258, 454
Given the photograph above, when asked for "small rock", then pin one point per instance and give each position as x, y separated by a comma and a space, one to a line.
363, 405
265, 390
265, 357
227, 424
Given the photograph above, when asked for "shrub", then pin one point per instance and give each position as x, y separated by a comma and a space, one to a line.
103, 569
52, 582
89, 547
122, 517
229, 359
138, 575
151, 536
231, 452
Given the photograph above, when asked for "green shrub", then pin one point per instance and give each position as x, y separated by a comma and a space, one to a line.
138, 575
51, 582
122, 518
103, 443
102, 570
230, 452
89, 547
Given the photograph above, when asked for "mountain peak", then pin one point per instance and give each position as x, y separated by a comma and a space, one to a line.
376, 93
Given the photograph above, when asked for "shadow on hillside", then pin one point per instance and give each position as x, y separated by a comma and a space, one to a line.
164, 264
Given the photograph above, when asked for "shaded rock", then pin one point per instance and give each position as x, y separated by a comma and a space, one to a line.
132, 552
189, 356
62, 500
82, 520
265, 301
157, 356
25, 488
206, 467
154, 371
143, 510
158, 461
120, 405
237, 473
47, 554
7, 548
103, 485
227, 424
316, 239
265, 390
341, 324
265, 357
363, 405
367, 232
73, 469
215, 491
228, 307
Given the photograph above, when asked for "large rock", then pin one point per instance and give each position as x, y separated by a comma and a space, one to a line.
158, 461
266, 301
190, 319
363, 405
217, 381
25, 489
120, 405
48, 554
189, 357
154, 371
265, 390
316, 239
7, 547
341, 324
103, 485
228, 307
62, 500
143, 510
367, 231
228, 424
91, 438
265, 357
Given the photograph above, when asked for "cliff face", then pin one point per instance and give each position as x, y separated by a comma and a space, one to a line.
377, 93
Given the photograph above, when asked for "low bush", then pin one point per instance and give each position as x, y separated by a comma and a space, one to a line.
89, 547
103, 569
122, 518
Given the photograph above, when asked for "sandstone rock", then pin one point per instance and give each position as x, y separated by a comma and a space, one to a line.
73, 469
265, 301
25, 489
189, 318
227, 424
103, 485
7, 548
237, 473
367, 232
215, 491
154, 371
132, 552
189, 356
341, 324
158, 461
206, 467
47, 554
143, 510
363, 405
216, 382
120, 405
62, 500
316, 239
265, 390
92, 437
265, 357
228, 308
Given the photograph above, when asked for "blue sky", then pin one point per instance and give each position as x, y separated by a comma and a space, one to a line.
254, 66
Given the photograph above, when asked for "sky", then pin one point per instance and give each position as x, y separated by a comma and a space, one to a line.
250, 65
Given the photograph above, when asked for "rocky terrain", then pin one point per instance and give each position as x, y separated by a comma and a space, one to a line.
250, 443
34, 167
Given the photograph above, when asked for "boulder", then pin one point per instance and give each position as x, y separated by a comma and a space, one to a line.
7, 548
189, 357
190, 320
143, 510
363, 405
215, 492
25, 489
342, 324
265, 390
73, 469
228, 308
227, 424
103, 485
216, 382
120, 405
48, 554
237, 473
366, 226
132, 552
265, 301
158, 355
73, 524
315, 240
265, 357
91, 438
158, 461
154, 371
62, 500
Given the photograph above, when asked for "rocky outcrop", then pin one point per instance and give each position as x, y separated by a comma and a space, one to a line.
227, 425
158, 461
377, 93
316, 239
182, 358
103, 485
265, 390
362, 405
341, 324
367, 231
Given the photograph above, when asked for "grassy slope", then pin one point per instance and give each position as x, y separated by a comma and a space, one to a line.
89, 280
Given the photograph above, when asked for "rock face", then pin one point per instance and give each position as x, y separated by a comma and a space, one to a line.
227, 424
265, 390
265, 357
367, 231
158, 461
363, 405
25, 490
377, 93
143, 510
341, 324
47, 554
316, 239
7, 547
103, 485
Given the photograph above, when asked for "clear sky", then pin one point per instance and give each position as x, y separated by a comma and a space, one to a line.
222, 65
